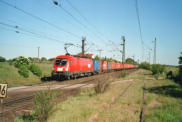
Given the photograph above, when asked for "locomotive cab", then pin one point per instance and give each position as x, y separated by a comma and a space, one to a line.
61, 64
61, 68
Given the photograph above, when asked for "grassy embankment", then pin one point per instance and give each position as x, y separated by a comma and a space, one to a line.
163, 102
9, 74
108, 106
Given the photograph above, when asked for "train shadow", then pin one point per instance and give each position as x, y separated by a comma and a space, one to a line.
169, 90
45, 79
49, 79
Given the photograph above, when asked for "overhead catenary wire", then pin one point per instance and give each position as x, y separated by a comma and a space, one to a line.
40, 19
84, 18
140, 29
17, 45
18, 29
75, 19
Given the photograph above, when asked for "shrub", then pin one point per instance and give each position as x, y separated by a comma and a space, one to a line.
43, 59
157, 69
145, 65
2, 59
43, 104
35, 70
21, 61
51, 59
101, 87
123, 74
10, 62
23, 70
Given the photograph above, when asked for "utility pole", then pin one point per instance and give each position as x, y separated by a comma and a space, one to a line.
100, 52
83, 45
155, 41
38, 53
123, 51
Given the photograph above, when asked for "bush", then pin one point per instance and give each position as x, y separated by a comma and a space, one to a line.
21, 61
145, 65
101, 87
157, 69
123, 74
23, 70
2, 59
43, 59
51, 59
35, 70
43, 104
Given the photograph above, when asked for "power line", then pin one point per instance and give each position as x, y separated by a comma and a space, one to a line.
33, 33
74, 18
17, 45
84, 18
39, 18
140, 29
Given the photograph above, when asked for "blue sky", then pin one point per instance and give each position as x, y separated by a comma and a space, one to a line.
111, 20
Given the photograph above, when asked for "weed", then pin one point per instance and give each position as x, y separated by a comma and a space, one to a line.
101, 87
123, 74
166, 113
43, 104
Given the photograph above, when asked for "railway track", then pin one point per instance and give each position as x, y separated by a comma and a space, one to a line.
143, 104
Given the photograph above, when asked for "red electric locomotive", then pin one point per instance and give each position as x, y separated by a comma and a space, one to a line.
71, 67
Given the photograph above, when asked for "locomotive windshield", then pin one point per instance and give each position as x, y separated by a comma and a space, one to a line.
61, 62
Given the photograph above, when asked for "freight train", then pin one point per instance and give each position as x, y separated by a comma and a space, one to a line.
71, 67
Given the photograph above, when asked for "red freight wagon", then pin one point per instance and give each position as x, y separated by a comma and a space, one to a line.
69, 66
125, 66
103, 65
118, 66
113, 65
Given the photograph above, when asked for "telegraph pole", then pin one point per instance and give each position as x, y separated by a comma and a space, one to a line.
38, 53
155, 41
100, 52
123, 51
83, 45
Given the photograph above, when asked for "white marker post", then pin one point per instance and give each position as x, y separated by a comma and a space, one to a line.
3, 94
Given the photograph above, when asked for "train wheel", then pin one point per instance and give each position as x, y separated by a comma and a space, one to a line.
68, 77
75, 77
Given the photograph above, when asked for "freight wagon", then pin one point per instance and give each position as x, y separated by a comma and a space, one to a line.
67, 67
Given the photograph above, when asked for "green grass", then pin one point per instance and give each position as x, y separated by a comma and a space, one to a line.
165, 104
46, 68
89, 104
9, 74
171, 112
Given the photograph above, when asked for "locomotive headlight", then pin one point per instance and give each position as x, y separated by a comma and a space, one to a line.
60, 69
